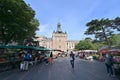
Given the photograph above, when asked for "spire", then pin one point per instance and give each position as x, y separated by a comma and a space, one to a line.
59, 27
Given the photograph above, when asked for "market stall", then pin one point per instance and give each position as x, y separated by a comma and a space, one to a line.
116, 57
10, 55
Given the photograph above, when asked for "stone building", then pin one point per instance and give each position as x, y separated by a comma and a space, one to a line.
58, 41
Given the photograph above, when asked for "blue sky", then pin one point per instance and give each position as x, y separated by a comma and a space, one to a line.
72, 14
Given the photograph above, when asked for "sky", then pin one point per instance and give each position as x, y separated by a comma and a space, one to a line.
72, 14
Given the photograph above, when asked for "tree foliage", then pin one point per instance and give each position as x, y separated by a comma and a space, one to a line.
116, 23
98, 44
17, 21
84, 45
31, 40
115, 39
101, 29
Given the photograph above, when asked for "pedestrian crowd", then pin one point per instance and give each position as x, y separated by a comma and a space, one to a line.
28, 58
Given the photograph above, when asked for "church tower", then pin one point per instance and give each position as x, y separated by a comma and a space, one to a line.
59, 27
59, 39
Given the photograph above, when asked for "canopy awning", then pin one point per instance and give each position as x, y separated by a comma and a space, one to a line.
22, 47
40, 48
103, 51
112, 49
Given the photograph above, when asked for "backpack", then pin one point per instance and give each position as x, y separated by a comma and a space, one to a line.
27, 56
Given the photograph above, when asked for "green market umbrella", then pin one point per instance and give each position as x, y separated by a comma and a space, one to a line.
23, 47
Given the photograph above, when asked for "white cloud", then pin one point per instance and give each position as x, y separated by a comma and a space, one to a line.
44, 30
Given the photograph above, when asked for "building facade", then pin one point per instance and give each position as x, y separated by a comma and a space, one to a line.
58, 41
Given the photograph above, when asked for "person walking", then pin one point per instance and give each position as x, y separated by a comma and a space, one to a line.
51, 58
36, 58
72, 55
22, 64
109, 64
27, 58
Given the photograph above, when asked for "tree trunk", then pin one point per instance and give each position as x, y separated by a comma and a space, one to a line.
106, 38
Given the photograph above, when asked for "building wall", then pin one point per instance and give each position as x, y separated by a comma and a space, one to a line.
59, 41
49, 43
71, 44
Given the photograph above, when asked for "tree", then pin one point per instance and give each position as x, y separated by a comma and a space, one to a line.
101, 29
17, 21
88, 38
115, 39
84, 45
116, 23
98, 44
31, 41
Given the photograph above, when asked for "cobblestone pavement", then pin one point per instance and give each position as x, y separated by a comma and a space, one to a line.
61, 70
